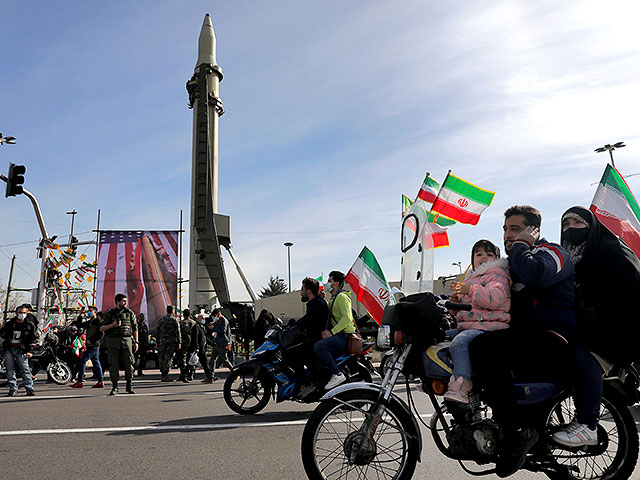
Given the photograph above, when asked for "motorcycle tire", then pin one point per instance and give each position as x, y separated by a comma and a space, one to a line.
241, 397
59, 373
332, 431
616, 454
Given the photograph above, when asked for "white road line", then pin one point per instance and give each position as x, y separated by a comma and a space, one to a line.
125, 395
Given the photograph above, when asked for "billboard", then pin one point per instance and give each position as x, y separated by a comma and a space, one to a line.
141, 264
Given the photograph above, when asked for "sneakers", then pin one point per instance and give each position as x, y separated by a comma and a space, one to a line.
334, 381
98, 385
207, 380
11, 393
459, 388
576, 435
130, 390
31, 392
77, 385
113, 392
516, 445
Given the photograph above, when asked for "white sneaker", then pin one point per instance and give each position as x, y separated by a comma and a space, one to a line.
576, 435
334, 381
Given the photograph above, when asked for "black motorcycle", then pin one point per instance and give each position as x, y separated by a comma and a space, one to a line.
44, 357
367, 431
250, 384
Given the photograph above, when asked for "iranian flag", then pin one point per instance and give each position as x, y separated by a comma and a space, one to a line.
461, 201
429, 190
369, 284
406, 203
616, 207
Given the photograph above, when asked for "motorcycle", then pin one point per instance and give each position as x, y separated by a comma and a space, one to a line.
250, 384
367, 431
44, 357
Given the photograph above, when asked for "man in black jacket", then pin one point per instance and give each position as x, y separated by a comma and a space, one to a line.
19, 334
94, 337
199, 345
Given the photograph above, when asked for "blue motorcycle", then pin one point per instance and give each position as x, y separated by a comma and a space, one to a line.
271, 372
367, 431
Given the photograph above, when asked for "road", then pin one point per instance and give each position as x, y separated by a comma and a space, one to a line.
165, 431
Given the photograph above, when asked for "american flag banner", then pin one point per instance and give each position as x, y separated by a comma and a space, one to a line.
143, 266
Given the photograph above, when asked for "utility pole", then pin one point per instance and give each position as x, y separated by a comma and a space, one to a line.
289, 245
6, 303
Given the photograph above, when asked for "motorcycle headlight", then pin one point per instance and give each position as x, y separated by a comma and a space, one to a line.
384, 336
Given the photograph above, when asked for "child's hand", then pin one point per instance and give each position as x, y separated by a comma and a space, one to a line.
461, 289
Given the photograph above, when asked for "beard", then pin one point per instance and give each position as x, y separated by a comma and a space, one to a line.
304, 298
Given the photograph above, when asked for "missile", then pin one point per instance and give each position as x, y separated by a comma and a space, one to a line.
206, 43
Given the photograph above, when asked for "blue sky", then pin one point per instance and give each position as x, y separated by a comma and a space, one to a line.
333, 110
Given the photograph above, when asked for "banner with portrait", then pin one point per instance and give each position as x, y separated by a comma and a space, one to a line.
141, 264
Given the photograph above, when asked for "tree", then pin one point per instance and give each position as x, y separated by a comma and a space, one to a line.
276, 286
15, 299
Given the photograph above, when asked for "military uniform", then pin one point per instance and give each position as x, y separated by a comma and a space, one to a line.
168, 340
143, 346
119, 341
186, 370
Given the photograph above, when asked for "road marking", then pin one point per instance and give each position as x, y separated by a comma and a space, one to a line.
126, 395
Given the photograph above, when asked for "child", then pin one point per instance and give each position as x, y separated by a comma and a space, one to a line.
487, 290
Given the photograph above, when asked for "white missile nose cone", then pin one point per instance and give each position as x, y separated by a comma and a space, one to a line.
206, 43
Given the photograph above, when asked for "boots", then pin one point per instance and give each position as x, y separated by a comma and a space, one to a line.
129, 389
165, 377
459, 389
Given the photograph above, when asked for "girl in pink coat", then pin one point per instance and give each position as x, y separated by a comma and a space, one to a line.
487, 289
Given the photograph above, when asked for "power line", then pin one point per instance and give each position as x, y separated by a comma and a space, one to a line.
18, 265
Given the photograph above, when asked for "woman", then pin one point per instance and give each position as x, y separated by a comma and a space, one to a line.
607, 282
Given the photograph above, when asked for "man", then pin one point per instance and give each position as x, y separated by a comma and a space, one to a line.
93, 336
121, 337
536, 345
186, 325
338, 328
169, 342
221, 332
143, 344
19, 334
199, 346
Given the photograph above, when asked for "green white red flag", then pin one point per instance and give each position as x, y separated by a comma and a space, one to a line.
461, 201
429, 190
406, 203
616, 207
369, 284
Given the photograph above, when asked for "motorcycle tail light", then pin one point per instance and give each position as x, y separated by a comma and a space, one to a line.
438, 387
398, 337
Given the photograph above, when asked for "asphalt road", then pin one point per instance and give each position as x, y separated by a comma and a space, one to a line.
166, 431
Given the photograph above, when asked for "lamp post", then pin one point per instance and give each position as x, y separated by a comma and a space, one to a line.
289, 245
610, 149
459, 264
10, 140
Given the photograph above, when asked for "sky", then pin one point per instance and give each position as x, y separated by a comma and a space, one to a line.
333, 110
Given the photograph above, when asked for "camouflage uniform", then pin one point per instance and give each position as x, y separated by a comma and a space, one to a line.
119, 343
186, 324
168, 340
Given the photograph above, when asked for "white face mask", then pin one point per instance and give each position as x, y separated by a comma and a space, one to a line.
327, 287
22, 316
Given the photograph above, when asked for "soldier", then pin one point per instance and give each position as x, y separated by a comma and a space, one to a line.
143, 344
186, 325
169, 341
121, 337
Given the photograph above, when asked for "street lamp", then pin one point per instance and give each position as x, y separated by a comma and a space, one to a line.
289, 245
10, 140
610, 148
459, 264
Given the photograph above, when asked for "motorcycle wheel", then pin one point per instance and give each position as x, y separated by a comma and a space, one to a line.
241, 397
616, 454
332, 433
59, 373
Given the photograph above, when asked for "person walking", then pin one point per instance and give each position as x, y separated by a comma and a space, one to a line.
121, 334
186, 325
199, 346
169, 341
19, 334
221, 331
143, 344
94, 336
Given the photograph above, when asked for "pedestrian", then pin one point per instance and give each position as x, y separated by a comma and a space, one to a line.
143, 344
222, 341
121, 335
169, 341
186, 325
19, 334
94, 337
198, 346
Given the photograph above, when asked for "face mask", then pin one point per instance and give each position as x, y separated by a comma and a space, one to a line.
90, 314
22, 316
576, 236
327, 287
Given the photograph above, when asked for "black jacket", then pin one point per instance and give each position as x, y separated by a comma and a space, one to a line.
198, 338
315, 320
607, 282
27, 338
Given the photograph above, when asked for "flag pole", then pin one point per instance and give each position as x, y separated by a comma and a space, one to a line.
435, 217
180, 266
418, 194
95, 274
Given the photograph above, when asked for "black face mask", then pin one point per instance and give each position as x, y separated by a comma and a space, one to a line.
576, 236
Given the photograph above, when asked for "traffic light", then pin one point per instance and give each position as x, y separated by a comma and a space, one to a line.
15, 179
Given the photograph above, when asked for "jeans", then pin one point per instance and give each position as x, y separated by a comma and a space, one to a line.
12, 357
329, 348
90, 353
459, 351
587, 376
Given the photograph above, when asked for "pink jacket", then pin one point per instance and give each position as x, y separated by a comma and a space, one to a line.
489, 294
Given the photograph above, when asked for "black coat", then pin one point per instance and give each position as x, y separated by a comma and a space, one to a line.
315, 320
198, 338
607, 282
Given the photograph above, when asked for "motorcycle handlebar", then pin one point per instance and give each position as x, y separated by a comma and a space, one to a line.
457, 306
